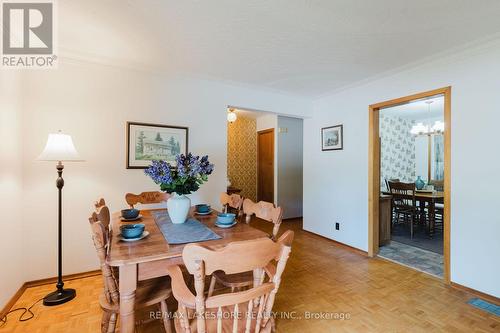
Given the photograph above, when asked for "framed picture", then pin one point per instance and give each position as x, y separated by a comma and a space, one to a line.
147, 142
332, 138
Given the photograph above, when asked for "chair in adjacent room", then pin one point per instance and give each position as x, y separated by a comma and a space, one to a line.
394, 180
404, 203
145, 198
237, 312
264, 211
439, 206
149, 292
393, 212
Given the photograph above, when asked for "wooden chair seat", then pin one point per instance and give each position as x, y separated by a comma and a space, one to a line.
228, 324
149, 292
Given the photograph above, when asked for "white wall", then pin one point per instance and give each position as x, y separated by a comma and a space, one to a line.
422, 157
93, 103
11, 245
268, 121
336, 183
290, 169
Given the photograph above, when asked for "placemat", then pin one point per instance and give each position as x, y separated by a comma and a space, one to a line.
190, 231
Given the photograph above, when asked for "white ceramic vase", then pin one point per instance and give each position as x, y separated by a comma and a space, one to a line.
178, 208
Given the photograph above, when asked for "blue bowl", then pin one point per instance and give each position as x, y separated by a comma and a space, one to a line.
202, 208
225, 218
132, 230
130, 213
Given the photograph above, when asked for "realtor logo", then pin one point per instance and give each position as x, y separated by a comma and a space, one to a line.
28, 34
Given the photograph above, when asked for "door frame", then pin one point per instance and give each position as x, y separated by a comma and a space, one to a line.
269, 130
374, 171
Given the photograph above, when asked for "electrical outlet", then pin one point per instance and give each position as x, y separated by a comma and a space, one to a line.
337, 226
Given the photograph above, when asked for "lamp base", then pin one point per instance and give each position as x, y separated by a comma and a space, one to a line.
59, 297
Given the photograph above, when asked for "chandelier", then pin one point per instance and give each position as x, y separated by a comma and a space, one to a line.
427, 129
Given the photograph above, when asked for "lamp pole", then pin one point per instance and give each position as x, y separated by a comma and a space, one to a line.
61, 295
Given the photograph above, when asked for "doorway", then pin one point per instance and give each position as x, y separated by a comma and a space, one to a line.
376, 185
265, 165
265, 157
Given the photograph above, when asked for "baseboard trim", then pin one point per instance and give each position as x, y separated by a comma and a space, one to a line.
13, 300
340, 244
69, 277
41, 282
477, 293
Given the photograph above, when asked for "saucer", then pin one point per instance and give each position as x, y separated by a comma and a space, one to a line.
206, 213
224, 226
130, 220
144, 235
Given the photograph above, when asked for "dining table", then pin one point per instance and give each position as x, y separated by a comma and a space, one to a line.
429, 197
150, 257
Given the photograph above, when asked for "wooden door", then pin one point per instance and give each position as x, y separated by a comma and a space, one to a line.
265, 165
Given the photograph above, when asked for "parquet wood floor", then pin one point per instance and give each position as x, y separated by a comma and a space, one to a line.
321, 277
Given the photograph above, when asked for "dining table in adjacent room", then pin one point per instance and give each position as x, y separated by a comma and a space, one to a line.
150, 257
429, 197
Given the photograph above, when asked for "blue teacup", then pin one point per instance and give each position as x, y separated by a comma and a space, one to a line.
132, 230
225, 218
202, 208
131, 213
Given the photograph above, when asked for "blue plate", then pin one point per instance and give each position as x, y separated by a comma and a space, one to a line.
225, 225
144, 235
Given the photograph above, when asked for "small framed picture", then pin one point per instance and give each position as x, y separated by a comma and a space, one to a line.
332, 138
147, 142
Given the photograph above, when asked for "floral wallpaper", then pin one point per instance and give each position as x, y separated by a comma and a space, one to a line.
397, 149
242, 156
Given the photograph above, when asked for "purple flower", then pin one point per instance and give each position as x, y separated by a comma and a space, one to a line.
160, 172
186, 177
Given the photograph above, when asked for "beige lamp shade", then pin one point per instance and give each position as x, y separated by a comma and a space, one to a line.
59, 147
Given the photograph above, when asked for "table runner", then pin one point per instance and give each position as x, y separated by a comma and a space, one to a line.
190, 231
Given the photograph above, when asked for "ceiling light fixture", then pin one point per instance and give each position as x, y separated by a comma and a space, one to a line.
425, 129
231, 116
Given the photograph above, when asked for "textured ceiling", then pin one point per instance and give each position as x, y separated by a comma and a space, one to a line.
307, 47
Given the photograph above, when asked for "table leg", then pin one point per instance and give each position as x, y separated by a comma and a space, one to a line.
128, 285
422, 211
432, 217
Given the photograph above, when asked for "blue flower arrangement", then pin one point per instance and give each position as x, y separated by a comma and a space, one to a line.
185, 178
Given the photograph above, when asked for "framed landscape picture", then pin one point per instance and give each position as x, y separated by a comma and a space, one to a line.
147, 142
332, 138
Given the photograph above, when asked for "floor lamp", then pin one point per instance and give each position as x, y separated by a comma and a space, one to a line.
59, 148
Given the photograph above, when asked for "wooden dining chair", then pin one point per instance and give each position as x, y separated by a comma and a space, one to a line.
244, 311
390, 180
234, 201
149, 292
153, 197
404, 203
265, 211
